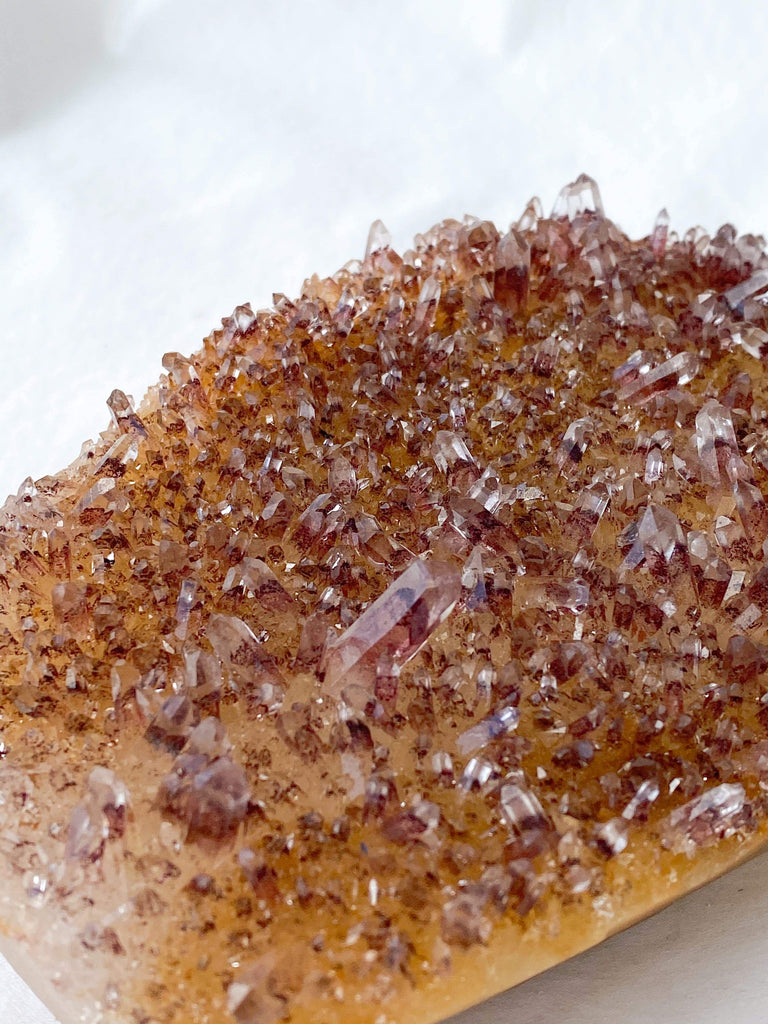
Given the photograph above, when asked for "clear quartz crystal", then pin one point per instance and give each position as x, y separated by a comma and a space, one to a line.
123, 414
677, 371
398, 623
716, 443
449, 448
754, 284
659, 534
520, 808
378, 239
659, 234
512, 268
704, 820
184, 606
574, 444
581, 196
480, 735
654, 466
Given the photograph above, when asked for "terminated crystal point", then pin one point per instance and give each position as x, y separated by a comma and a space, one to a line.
581, 196
659, 234
477, 772
589, 508
236, 646
512, 268
755, 284
100, 815
611, 837
184, 606
495, 725
181, 369
243, 318
449, 448
170, 726
716, 443
378, 239
654, 466
532, 214
574, 444
261, 583
711, 572
675, 372
520, 808
342, 479
712, 816
551, 592
396, 625
123, 414
209, 795
659, 538
647, 792
426, 308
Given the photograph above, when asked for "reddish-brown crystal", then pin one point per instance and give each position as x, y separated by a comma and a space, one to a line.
411, 630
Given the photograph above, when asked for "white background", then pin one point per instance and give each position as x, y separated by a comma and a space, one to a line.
163, 160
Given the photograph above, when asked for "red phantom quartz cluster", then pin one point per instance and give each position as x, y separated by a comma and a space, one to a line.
413, 615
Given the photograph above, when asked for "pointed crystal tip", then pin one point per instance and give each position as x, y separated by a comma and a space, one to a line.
580, 196
395, 626
378, 238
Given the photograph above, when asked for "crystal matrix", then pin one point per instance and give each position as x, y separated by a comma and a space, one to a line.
407, 639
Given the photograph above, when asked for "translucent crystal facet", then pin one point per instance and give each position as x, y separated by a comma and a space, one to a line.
397, 624
706, 819
511, 270
581, 196
716, 443
659, 234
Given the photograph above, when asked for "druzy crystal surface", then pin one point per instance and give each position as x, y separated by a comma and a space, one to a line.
408, 637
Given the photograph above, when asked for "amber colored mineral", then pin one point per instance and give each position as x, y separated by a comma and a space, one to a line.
407, 639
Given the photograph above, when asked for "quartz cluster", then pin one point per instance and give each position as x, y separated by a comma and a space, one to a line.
426, 608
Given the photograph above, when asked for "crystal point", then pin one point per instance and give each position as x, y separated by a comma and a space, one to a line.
706, 819
580, 196
378, 238
520, 807
123, 414
659, 234
716, 442
397, 624
511, 271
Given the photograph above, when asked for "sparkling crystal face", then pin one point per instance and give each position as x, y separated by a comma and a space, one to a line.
422, 613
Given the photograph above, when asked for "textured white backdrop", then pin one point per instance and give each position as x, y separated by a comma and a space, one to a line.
163, 160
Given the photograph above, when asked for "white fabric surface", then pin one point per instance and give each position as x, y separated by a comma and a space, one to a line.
163, 160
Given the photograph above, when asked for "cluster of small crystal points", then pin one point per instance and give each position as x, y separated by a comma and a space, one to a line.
400, 610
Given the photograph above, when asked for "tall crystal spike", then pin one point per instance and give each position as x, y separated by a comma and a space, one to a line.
396, 625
